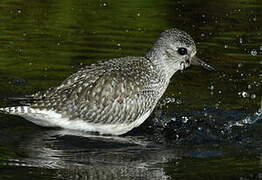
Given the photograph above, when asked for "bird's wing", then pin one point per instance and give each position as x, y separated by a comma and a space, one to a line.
101, 94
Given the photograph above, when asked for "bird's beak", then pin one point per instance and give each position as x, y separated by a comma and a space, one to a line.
198, 62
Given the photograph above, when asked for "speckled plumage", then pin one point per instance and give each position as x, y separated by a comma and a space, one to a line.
112, 96
110, 92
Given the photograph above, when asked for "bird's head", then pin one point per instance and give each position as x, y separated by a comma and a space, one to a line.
175, 50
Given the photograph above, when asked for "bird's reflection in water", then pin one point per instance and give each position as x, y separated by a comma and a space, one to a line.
83, 156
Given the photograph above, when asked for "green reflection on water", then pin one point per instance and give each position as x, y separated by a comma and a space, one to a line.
216, 168
43, 42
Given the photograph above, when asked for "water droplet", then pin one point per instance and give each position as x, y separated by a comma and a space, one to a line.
199, 128
19, 11
178, 101
185, 119
211, 87
203, 15
249, 86
253, 96
240, 65
138, 14
240, 40
202, 35
253, 52
104, 4
217, 105
244, 94
225, 46
118, 44
173, 119
254, 19
260, 48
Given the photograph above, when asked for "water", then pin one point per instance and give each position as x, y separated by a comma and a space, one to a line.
207, 125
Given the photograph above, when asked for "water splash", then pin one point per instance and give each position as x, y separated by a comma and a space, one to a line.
248, 120
253, 52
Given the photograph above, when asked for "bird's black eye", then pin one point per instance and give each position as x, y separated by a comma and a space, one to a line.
182, 51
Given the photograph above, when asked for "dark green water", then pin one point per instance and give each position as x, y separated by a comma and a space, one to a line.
207, 126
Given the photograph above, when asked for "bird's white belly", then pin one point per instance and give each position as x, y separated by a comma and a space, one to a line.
50, 118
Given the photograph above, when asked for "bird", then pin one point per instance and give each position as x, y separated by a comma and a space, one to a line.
111, 97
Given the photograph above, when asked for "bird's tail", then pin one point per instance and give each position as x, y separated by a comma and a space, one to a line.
23, 108
16, 110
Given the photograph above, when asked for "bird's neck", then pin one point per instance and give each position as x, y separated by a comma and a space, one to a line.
165, 66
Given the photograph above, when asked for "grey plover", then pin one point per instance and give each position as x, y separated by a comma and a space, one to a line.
113, 96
